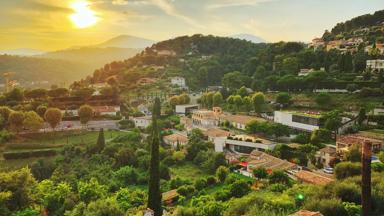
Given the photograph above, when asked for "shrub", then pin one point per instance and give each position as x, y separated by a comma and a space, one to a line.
347, 169
126, 175
328, 207
222, 173
239, 188
222, 195
29, 153
200, 183
186, 190
301, 138
211, 180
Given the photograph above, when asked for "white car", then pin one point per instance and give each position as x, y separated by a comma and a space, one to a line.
328, 170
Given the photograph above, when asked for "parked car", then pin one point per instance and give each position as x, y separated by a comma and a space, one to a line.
328, 170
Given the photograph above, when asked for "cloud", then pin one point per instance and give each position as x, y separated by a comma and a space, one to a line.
230, 3
167, 7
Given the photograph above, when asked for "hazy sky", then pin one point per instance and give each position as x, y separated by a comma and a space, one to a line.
51, 24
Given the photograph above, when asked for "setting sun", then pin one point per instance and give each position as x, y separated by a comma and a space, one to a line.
83, 16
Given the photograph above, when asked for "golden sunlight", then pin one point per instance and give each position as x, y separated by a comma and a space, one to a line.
83, 17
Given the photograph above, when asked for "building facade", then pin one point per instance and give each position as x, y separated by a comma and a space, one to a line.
300, 121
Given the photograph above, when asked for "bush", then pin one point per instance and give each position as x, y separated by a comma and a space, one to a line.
239, 188
129, 137
29, 153
328, 207
347, 169
211, 180
222, 173
348, 192
278, 188
126, 175
301, 138
200, 183
222, 195
178, 182
186, 190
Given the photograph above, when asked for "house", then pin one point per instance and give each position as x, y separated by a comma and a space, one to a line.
303, 121
261, 159
326, 155
178, 81
70, 113
378, 111
106, 110
306, 213
376, 64
186, 109
142, 122
317, 43
336, 44
305, 72
187, 122
312, 178
238, 121
204, 119
345, 142
144, 109
145, 81
165, 52
175, 139
213, 133
242, 144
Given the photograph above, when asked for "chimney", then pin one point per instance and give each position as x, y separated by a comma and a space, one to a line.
366, 178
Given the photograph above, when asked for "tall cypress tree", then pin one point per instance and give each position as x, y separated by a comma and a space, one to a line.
100, 141
154, 196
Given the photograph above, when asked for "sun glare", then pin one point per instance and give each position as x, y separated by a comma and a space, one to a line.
83, 16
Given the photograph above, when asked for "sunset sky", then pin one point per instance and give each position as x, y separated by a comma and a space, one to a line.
58, 24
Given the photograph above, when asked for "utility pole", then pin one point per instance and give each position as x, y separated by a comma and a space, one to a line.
366, 178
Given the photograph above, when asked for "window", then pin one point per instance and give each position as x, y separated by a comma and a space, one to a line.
244, 149
305, 120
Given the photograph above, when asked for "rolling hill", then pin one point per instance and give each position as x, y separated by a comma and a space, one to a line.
126, 41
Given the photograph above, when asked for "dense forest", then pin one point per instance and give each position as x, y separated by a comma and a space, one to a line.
208, 60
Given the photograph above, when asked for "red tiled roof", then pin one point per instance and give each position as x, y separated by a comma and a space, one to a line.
313, 178
176, 138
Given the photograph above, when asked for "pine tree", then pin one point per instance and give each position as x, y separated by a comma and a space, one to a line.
100, 141
154, 195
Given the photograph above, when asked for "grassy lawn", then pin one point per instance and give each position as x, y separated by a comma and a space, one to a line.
187, 171
45, 141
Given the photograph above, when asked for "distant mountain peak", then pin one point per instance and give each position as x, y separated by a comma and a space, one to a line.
248, 37
126, 41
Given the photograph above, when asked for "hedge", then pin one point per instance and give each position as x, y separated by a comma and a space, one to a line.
28, 154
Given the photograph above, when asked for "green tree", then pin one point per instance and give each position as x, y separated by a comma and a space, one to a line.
85, 114
217, 99
53, 116
323, 100
347, 169
242, 91
41, 109
91, 191
33, 121
5, 112
16, 188
258, 100
100, 144
154, 194
234, 80
222, 173
16, 120
53, 196
278, 176
238, 101
239, 188
354, 154
362, 116
283, 98
290, 65
260, 173
103, 207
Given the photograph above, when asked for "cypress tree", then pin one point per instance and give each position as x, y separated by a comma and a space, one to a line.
100, 141
154, 196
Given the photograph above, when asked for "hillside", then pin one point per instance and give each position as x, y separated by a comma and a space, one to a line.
28, 69
92, 57
370, 27
22, 52
126, 41
249, 37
